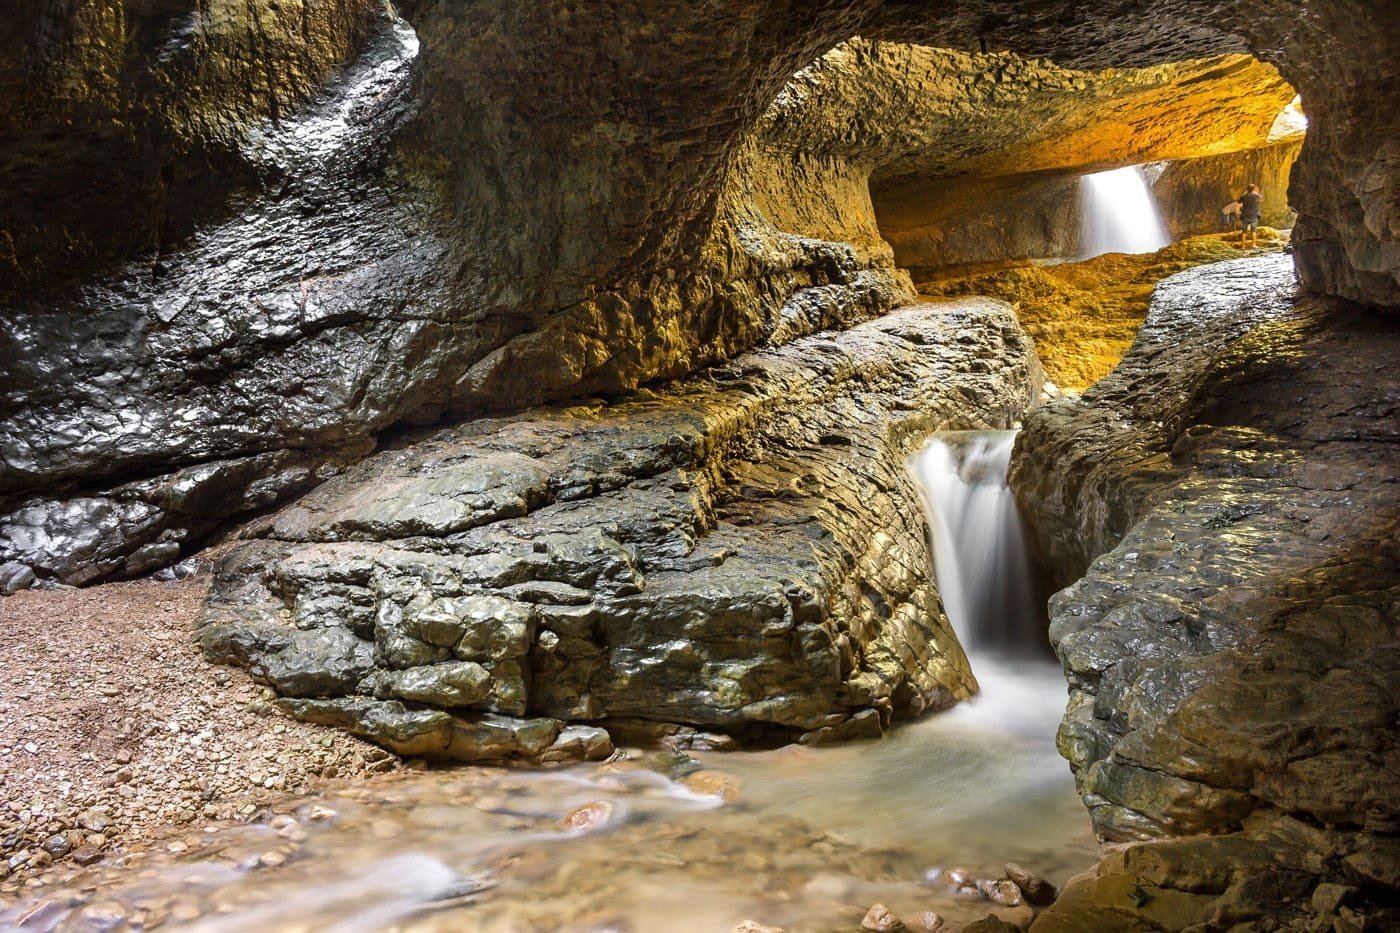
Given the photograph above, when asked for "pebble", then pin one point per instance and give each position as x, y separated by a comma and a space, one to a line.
1002, 891
753, 926
957, 877
87, 854
589, 817
880, 919
58, 845
713, 784
1036, 889
929, 922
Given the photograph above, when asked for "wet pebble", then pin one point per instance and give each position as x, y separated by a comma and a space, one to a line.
929, 922
713, 784
589, 817
1036, 889
1001, 891
957, 877
880, 919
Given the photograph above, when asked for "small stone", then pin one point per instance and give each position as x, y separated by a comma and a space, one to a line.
58, 845
1035, 888
967, 892
929, 921
1002, 891
1327, 897
272, 859
589, 817
957, 877
991, 924
94, 820
713, 784
320, 813
87, 854
880, 919
753, 926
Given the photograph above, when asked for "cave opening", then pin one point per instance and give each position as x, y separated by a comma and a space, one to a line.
980, 173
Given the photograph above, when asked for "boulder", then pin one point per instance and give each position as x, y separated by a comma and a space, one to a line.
740, 551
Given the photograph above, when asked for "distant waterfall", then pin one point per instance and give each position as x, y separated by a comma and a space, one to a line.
979, 546
1120, 215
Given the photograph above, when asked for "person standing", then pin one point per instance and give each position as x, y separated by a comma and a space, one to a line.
1230, 216
1251, 205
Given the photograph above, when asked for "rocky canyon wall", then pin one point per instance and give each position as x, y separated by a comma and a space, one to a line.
1192, 192
1226, 504
430, 239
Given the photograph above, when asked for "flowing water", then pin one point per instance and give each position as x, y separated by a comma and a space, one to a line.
1120, 214
800, 837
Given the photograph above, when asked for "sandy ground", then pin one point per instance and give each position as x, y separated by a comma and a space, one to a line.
114, 729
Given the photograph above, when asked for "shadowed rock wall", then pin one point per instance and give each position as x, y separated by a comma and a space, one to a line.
1228, 502
445, 241
121, 119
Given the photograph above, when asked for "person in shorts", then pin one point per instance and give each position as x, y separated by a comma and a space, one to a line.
1251, 204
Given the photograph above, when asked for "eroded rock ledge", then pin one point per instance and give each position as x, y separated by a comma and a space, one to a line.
739, 551
1231, 497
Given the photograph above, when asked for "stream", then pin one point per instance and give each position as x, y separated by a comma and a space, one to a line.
798, 837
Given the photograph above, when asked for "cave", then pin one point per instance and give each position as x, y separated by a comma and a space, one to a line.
736, 466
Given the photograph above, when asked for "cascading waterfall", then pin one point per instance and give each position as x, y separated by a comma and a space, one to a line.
1120, 214
980, 557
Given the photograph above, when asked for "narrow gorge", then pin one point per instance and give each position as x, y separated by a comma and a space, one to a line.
753, 467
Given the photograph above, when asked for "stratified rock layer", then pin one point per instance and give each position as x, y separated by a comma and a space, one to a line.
1231, 497
740, 551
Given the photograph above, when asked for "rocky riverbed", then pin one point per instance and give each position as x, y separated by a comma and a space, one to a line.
114, 730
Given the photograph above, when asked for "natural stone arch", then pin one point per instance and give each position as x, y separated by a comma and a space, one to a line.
566, 214
703, 77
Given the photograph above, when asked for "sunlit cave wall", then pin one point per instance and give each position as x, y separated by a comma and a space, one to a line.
1202, 137
1191, 192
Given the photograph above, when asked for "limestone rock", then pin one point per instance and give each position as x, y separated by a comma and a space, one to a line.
425, 733
880, 919
1036, 889
736, 551
344, 270
1231, 497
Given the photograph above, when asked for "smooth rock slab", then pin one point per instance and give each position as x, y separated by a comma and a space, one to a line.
741, 550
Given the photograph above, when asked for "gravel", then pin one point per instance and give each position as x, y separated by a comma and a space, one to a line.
114, 730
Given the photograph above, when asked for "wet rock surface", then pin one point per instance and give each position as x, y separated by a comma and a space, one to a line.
650, 220
1083, 316
1230, 496
735, 550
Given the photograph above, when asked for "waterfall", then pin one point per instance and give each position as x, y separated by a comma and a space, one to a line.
1120, 215
980, 557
